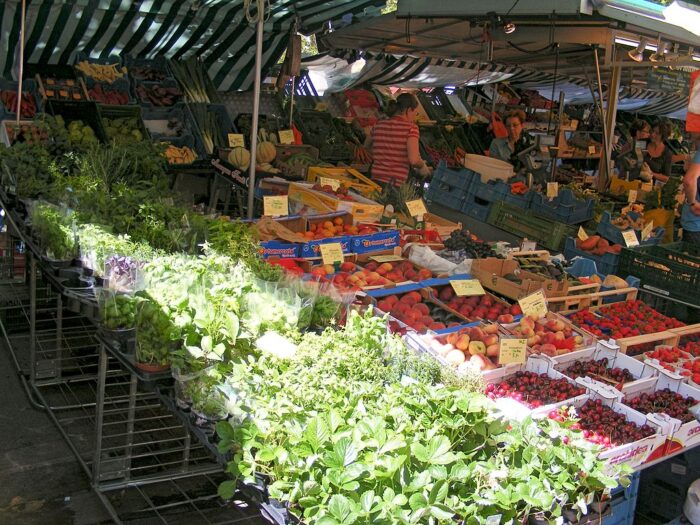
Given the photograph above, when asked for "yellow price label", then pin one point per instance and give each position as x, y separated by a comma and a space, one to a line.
591, 149
630, 238
326, 181
236, 140
386, 258
275, 205
646, 231
286, 136
467, 287
552, 189
582, 233
512, 351
534, 305
416, 207
331, 252
632, 196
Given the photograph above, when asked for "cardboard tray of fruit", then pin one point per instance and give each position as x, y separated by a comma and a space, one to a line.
533, 388
472, 346
605, 364
303, 196
671, 399
411, 304
597, 420
573, 303
486, 307
505, 277
398, 270
551, 335
348, 177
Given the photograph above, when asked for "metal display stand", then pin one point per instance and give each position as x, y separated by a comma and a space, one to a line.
139, 455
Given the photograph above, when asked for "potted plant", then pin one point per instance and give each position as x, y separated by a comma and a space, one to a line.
156, 336
118, 317
208, 403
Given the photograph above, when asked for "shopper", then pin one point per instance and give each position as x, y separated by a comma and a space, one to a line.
507, 148
658, 157
394, 143
625, 151
690, 215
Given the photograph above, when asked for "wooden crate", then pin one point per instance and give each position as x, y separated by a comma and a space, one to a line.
571, 303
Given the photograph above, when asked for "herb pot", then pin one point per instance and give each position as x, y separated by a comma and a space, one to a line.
152, 368
126, 338
205, 421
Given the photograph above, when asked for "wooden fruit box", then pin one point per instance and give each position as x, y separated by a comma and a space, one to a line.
588, 299
348, 177
441, 225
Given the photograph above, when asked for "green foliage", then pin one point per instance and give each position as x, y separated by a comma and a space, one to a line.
27, 167
52, 228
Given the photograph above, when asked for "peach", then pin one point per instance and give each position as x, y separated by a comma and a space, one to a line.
548, 349
492, 350
505, 318
491, 329
452, 338
477, 347
463, 342
476, 334
491, 339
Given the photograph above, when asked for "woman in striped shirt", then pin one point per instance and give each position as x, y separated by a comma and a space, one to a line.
394, 143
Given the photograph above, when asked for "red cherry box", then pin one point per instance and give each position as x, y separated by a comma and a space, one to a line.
626, 435
670, 399
605, 364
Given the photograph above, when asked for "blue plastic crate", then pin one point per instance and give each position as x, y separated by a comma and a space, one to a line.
490, 191
564, 208
606, 263
476, 207
28, 85
453, 200
606, 229
458, 178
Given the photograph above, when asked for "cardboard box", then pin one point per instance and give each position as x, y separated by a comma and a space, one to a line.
283, 250
373, 242
311, 248
492, 271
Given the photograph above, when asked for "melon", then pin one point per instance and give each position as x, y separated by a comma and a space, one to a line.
239, 158
266, 152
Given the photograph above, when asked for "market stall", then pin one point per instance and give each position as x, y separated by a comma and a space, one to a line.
323, 347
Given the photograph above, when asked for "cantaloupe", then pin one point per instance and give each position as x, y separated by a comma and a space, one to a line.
266, 153
239, 158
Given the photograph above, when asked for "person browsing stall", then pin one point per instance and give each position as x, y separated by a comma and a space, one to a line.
507, 148
658, 157
394, 143
690, 214
625, 153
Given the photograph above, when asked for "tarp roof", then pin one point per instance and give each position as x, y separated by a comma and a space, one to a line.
215, 31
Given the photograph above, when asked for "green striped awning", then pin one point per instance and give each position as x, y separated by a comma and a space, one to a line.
215, 31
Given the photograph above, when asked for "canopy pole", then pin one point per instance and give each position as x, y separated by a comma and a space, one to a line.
256, 111
604, 166
611, 116
21, 62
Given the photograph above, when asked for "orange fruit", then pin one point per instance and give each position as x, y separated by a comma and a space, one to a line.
309, 235
338, 221
312, 227
328, 225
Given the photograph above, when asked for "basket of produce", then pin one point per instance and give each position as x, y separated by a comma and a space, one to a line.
123, 124
106, 80
82, 121
167, 123
212, 123
196, 85
56, 82
8, 98
318, 130
612, 229
148, 69
159, 94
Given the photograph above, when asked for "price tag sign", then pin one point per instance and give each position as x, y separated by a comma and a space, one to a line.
646, 231
582, 233
646, 186
630, 238
632, 196
552, 189
286, 136
275, 206
386, 258
534, 305
326, 181
591, 149
467, 287
236, 140
331, 253
416, 207
512, 351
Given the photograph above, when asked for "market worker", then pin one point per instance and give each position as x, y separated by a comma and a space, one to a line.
690, 215
624, 154
507, 148
394, 143
658, 157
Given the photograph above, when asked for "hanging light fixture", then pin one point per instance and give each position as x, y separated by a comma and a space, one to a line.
660, 54
637, 54
508, 27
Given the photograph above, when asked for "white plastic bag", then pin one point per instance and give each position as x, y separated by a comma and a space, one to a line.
427, 258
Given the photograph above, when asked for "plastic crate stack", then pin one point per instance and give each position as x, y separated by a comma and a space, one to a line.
450, 187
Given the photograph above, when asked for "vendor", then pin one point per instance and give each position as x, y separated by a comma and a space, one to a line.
507, 148
658, 157
690, 215
394, 143
624, 152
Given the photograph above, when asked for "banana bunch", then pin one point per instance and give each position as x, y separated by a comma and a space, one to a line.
101, 72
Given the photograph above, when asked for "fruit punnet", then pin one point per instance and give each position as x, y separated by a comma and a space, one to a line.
534, 390
598, 369
548, 336
664, 401
603, 426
